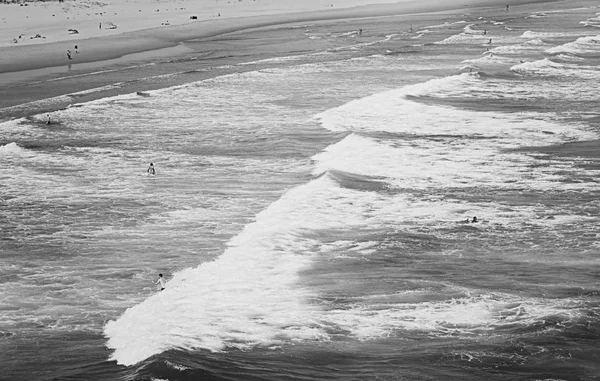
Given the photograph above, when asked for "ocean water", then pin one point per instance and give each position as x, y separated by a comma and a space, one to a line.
311, 211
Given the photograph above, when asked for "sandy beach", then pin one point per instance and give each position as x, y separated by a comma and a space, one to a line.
37, 35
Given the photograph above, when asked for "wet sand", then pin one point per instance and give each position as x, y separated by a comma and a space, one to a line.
31, 74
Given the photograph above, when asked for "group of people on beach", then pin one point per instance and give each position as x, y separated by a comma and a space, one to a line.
69, 52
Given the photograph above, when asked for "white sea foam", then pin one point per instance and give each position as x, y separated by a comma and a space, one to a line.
470, 314
583, 45
392, 111
569, 58
489, 58
251, 295
548, 67
537, 15
469, 30
455, 148
542, 64
468, 36
253, 298
293, 58
445, 25
530, 34
10, 148
464, 38
444, 163
530, 46
593, 22
535, 41
470, 86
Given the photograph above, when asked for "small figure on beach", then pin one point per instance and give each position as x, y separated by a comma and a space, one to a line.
76, 50
507, 8
490, 41
161, 281
484, 32
100, 25
151, 170
48, 121
69, 54
359, 31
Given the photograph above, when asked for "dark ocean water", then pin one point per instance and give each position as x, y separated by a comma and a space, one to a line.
312, 212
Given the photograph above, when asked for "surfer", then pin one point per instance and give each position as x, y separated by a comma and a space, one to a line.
162, 281
48, 121
474, 220
151, 169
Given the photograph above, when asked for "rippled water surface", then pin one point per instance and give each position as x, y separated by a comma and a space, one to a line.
313, 213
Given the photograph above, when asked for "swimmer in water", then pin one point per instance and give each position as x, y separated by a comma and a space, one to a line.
162, 281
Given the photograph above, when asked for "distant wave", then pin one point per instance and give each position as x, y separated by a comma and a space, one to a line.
469, 35
11, 148
533, 34
581, 46
431, 128
537, 15
550, 68
593, 22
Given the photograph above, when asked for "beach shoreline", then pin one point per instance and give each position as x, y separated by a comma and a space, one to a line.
20, 57
38, 78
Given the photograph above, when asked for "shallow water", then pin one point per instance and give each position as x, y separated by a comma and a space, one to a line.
310, 213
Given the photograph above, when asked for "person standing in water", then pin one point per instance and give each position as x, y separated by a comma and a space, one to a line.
161, 281
151, 169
